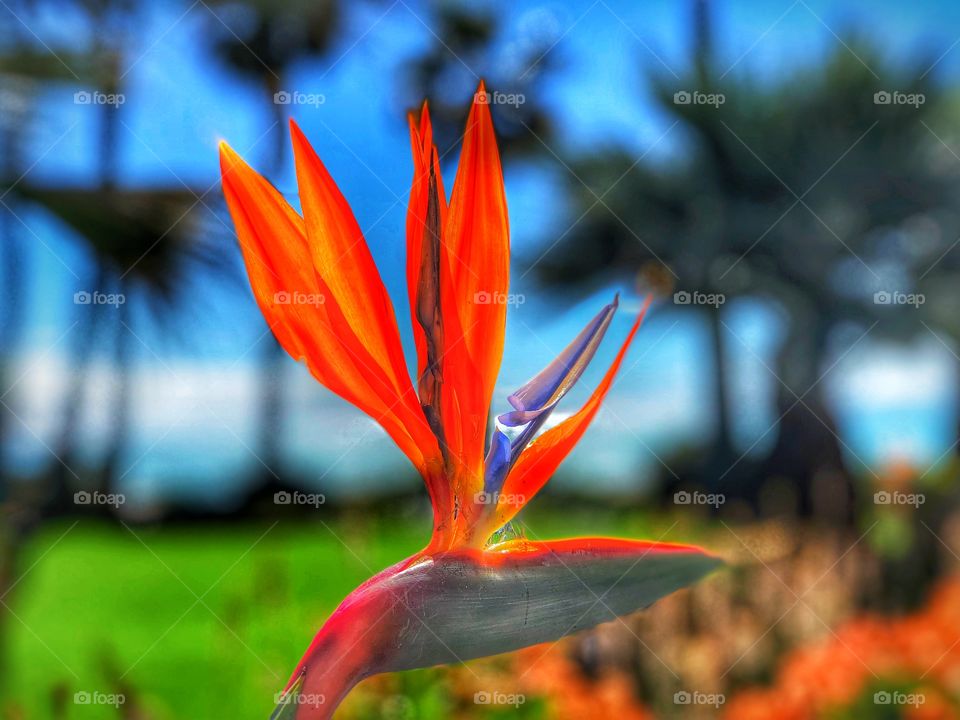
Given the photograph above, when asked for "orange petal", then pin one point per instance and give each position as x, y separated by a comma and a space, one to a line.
424, 159
341, 256
473, 291
416, 220
303, 313
541, 459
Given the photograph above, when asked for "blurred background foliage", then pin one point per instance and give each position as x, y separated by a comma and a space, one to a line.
809, 186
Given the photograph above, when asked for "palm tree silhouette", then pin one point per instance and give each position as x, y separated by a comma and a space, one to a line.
143, 245
272, 38
782, 193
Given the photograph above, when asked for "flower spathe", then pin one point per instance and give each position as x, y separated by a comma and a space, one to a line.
465, 595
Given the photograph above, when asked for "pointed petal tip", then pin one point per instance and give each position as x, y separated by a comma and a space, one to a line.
421, 126
699, 552
481, 103
702, 563
595, 547
227, 153
303, 152
691, 565
296, 134
693, 560
231, 164
304, 157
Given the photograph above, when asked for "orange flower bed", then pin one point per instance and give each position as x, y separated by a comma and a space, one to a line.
920, 648
549, 671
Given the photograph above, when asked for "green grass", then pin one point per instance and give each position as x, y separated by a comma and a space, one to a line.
199, 622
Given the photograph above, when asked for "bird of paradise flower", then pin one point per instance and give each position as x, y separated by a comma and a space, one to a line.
473, 591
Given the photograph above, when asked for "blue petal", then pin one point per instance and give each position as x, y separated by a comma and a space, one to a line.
497, 462
534, 402
559, 376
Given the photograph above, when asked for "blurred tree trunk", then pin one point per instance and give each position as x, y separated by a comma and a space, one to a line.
120, 370
273, 358
112, 471
807, 451
94, 314
274, 37
722, 452
89, 326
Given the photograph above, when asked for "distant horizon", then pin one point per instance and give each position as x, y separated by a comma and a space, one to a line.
195, 424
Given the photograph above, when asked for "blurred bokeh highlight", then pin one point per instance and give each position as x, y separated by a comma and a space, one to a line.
181, 506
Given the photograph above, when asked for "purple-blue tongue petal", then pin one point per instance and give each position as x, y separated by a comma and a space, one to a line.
497, 462
534, 402
560, 375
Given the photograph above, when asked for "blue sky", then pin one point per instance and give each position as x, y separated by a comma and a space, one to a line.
194, 400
